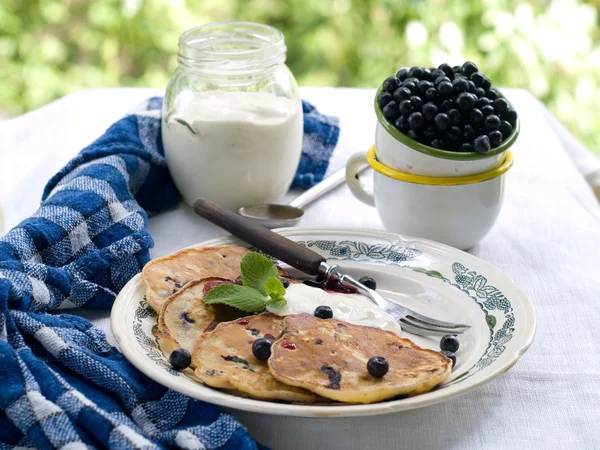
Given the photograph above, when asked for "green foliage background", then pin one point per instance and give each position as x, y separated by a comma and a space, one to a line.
49, 48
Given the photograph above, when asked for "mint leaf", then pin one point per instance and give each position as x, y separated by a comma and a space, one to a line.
274, 287
256, 270
277, 303
239, 297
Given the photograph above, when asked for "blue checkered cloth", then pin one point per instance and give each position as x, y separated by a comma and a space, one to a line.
61, 383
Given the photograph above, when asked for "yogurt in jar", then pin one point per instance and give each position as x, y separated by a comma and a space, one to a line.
234, 148
353, 308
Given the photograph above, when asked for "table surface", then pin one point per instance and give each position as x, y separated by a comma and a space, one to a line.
547, 239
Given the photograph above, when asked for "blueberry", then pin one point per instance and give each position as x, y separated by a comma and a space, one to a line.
438, 143
429, 132
456, 69
491, 123
416, 72
411, 80
466, 100
479, 92
476, 116
384, 98
416, 120
324, 311
426, 75
429, 110
413, 134
442, 121
450, 355
472, 86
495, 138
481, 144
417, 101
261, 349
468, 68
453, 133
460, 85
482, 102
368, 282
455, 116
406, 107
446, 69
285, 282
391, 84
477, 78
511, 117
466, 147
391, 111
180, 359
431, 94
487, 110
469, 133
422, 86
505, 129
445, 88
402, 93
410, 85
436, 73
501, 105
486, 83
401, 121
402, 73
438, 80
446, 105
405, 127
449, 343
492, 94
378, 366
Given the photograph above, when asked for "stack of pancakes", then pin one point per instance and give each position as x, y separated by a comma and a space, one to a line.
311, 359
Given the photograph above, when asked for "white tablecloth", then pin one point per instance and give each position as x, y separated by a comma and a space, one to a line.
547, 239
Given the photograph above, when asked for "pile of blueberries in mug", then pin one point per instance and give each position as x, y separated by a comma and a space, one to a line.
449, 108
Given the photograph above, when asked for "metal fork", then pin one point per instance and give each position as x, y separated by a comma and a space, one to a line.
310, 262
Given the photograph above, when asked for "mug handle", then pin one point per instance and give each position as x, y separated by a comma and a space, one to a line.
355, 164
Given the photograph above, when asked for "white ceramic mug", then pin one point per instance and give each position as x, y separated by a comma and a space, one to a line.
399, 152
455, 211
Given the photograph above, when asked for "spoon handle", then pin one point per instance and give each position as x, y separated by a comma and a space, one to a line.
320, 189
260, 237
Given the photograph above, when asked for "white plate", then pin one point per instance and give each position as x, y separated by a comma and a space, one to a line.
428, 277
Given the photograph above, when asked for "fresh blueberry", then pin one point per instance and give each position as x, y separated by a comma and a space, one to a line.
482, 102
442, 121
429, 110
402, 73
384, 98
468, 68
368, 282
402, 93
511, 117
449, 343
500, 105
472, 86
460, 85
426, 74
481, 144
401, 121
378, 366
390, 111
466, 100
417, 101
446, 69
441, 79
456, 69
492, 94
446, 105
285, 282
405, 127
391, 84
423, 85
431, 94
491, 123
479, 92
413, 134
486, 83
180, 359
436, 73
261, 349
476, 116
477, 78
416, 120
406, 107
455, 116
505, 129
411, 80
469, 133
495, 138
429, 132
324, 311
450, 355
445, 88
416, 72
466, 147
453, 133
438, 143
487, 110
410, 85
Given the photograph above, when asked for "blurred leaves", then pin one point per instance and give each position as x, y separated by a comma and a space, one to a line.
49, 48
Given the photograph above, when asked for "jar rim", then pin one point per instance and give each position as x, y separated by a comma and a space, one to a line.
240, 47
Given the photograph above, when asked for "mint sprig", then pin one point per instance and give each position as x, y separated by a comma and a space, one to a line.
260, 278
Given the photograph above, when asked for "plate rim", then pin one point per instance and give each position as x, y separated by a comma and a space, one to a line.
327, 411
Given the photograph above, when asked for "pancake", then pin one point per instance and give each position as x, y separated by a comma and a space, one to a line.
330, 359
223, 359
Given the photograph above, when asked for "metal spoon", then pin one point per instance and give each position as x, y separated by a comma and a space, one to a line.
275, 216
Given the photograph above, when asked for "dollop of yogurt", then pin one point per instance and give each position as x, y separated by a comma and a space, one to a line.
353, 308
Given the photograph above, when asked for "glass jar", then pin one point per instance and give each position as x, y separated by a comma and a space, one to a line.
232, 117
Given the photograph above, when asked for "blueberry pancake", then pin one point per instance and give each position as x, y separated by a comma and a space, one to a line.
224, 359
329, 357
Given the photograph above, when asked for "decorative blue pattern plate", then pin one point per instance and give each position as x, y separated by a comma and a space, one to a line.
431, 278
